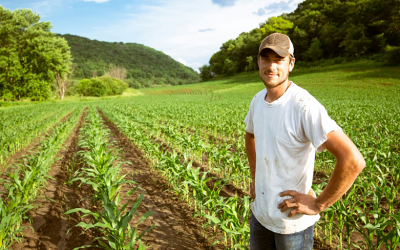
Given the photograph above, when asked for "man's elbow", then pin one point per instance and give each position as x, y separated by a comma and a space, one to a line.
361, 164
358, 163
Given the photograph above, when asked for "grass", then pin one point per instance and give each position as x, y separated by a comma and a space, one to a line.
357, 79
354, 78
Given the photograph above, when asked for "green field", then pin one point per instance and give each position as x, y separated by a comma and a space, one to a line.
184, 131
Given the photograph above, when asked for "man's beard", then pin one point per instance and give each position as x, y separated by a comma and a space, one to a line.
274, 86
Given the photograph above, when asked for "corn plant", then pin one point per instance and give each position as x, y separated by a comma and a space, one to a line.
189, 181
27, 180
19, 126
102, 173
215, 132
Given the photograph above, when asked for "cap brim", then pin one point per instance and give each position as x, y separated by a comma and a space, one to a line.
279, 51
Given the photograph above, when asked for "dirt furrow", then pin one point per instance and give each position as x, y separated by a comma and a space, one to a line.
175, 226
48, 227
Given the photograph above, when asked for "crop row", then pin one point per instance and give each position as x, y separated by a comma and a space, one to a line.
228, 214
18, 127
229, 165
102, 172
371, 207
27, 180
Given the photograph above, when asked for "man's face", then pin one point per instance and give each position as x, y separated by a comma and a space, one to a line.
274, 69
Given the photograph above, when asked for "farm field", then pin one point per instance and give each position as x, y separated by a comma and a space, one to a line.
171, 160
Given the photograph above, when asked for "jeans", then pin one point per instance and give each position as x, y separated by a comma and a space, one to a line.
264, 239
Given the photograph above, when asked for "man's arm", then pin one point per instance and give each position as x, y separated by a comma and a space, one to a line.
349, 163
251, 155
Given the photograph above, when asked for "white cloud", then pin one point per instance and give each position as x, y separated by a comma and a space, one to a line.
188, 31
181, 61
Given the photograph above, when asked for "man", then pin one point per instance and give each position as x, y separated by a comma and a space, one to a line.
284, 127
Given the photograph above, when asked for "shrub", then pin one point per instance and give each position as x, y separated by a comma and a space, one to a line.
393, 54
147, 84
82, 86
96, 88
133, 83
101, 86
112, 86
136, 85
6, 95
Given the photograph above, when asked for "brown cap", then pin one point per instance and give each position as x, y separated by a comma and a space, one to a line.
279, 43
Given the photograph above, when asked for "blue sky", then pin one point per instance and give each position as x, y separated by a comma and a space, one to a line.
190, 31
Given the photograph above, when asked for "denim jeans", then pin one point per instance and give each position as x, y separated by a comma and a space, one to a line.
264, 239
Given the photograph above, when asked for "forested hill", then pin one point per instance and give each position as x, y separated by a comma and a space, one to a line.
92, 57
320, 30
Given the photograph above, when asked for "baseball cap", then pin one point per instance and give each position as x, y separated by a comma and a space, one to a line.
279, 43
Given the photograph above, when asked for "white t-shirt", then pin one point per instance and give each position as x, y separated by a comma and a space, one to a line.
287, 132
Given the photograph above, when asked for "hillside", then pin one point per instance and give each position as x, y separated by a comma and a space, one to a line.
320, 30
141, 62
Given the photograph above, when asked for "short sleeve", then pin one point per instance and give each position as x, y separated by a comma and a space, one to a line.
249, 118
316, 124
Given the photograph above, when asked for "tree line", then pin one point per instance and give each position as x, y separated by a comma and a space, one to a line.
36, 63
320, 30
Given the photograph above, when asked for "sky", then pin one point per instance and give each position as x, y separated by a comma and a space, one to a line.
190, 31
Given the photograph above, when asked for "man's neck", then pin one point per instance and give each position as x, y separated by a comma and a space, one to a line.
273, 94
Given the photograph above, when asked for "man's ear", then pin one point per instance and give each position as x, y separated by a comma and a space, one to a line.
291, 65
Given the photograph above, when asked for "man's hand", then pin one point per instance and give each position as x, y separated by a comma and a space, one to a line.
302, 203
252, 189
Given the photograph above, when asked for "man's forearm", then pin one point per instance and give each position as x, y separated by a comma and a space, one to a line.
342, 178
251, 153
349, 163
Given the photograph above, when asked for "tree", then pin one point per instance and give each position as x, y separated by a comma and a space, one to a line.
314, 52
205, 73
63, 82
31, 55
115, 71
276, 25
